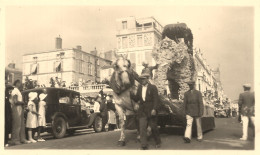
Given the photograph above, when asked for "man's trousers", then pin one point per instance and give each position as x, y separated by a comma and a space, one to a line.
152, 122
188, 131
245, 121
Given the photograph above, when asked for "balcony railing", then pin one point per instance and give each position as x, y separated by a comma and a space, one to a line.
89, 88
139, 29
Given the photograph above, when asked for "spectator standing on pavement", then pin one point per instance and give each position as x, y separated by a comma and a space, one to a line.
18, 126
8, 113
246, 104
112, 122
97, 102
193, 106
41, 117
32, 121
104, 113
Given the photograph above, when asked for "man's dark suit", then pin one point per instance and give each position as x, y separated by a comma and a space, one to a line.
247, 103
144, 113
193, 103
193, 106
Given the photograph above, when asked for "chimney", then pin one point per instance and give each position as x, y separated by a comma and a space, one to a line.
11, 65
79, 47
58, 43
94, 52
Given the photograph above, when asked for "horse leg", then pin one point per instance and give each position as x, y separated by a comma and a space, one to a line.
121, 114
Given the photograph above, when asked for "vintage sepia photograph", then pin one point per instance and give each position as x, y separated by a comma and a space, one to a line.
129, 77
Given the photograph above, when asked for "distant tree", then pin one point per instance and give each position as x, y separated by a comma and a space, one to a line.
29, 84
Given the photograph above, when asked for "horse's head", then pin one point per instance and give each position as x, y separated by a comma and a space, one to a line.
121, 67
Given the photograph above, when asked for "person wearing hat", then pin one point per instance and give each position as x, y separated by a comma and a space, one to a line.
32, 121
193, 107
147, 95
41, 117
148, 69
246, 104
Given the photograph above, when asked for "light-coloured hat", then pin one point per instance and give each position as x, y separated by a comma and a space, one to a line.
247, 85
144, 76
42, 96
32, 95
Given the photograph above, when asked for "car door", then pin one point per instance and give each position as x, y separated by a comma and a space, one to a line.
66, 107
75, 108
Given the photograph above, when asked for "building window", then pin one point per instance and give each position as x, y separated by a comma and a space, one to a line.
148, 57
124, 42
199, 85
98, 62
57, 66
10, 77
90, 69
124, 25
34, 69
132, 58
140, 58
139, 40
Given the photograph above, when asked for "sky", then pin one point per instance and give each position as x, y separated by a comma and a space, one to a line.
225, 35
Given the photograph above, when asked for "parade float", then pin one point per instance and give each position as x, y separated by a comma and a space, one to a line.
174, 54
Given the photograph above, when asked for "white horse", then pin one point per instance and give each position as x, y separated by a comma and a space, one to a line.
123, 84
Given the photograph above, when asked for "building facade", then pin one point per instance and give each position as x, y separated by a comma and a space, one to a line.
208, 80
70, 65
137, 37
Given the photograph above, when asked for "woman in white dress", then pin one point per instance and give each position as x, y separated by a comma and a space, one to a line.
32, 121
41, 118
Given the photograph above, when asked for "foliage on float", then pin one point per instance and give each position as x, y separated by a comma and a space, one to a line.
175, 64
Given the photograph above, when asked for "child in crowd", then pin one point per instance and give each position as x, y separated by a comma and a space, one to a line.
41, 117
32, 122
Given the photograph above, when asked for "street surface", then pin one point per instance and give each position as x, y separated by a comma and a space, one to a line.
224, 137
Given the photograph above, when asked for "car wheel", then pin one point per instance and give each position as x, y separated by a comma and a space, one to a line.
59, 127
98, 124
71, 132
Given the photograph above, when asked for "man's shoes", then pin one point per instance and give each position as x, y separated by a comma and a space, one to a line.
244, 139
186, 140
199, 140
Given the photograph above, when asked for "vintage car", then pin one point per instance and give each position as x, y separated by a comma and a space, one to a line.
64, 112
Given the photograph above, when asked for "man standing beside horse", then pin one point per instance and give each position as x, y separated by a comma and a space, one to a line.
147, 95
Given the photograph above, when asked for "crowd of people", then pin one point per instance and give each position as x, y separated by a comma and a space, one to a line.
104, 105
15, 112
